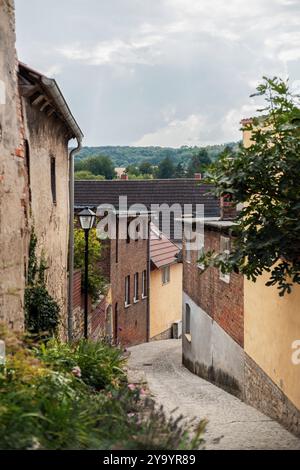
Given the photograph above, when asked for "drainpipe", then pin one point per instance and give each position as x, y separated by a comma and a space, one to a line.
148, 282
71, 239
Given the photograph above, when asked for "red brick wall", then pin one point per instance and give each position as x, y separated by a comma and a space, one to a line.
223, 302
132, 321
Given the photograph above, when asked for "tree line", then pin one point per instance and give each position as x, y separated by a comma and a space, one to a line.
103, 167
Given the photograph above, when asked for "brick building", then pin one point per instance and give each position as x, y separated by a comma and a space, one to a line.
126, 267
213, 322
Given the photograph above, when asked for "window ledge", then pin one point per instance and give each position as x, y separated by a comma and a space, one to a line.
144, 297
188, 337
127, 305
135, 301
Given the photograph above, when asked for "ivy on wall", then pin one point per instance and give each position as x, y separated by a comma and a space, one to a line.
41, 310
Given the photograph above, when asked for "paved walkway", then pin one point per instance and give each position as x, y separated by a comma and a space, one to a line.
232, 423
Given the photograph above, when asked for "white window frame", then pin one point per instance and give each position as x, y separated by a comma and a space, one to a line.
144, 284
136, 288
224, 248
127, 291
166, 274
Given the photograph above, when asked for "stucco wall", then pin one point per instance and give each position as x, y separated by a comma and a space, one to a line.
272, 324
211, 352
13, 196
165, 300
47, 137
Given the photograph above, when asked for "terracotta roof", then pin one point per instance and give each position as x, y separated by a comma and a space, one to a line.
162, 251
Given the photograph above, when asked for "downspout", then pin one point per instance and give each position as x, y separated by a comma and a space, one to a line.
148, 282
71, 238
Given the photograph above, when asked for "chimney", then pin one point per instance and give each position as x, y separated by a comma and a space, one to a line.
198, 176
228, 207
124, 176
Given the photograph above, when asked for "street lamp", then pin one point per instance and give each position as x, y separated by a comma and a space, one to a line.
87, 220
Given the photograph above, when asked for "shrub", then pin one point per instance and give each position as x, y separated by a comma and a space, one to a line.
100, 364
45, 405
41, 310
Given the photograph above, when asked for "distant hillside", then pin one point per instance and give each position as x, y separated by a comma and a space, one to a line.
124, 156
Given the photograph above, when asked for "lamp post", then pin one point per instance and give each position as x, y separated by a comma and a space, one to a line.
86, 219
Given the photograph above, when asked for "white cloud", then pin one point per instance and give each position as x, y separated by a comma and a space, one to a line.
136, 51
177, 133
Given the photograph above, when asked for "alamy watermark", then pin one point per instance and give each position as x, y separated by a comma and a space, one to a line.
175, 222
296, 352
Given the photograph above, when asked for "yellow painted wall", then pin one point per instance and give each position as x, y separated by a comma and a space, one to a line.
272, 324
165, 300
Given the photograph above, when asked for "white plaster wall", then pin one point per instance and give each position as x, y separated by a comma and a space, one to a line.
210, 345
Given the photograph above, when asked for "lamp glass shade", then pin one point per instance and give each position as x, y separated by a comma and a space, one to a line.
87, 219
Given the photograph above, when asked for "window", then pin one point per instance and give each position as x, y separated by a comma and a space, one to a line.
166, 274
127, 291
224, 248
53, 179
144, 284
136, 287
187, 322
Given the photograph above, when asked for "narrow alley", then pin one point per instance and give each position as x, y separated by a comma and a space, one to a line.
232, 424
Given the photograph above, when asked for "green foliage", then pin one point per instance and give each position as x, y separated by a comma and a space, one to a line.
165, 169
41, 310
100, 364
45, 404
198, 163
96, 281
265, 177
145, 168
180, 171
97, 165
124, 156
87, 175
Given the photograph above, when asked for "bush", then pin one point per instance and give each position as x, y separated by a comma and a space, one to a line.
100, 364
45, 404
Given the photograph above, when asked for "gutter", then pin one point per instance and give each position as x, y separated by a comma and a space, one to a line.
148, 282
63, 108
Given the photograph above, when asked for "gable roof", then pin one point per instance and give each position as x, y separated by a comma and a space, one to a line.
170, 191
162, 251
44, 93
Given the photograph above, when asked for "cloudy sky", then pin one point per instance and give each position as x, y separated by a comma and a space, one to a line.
160, 72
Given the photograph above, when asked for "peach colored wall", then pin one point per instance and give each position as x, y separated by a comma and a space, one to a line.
165, 300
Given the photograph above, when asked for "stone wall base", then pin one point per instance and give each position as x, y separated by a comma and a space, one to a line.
262, 393
167, 334
216, 376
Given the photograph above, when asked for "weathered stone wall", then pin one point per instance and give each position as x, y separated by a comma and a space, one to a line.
262, 393
13, 179
47, 137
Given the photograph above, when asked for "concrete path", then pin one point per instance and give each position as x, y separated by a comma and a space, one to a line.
232, 423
